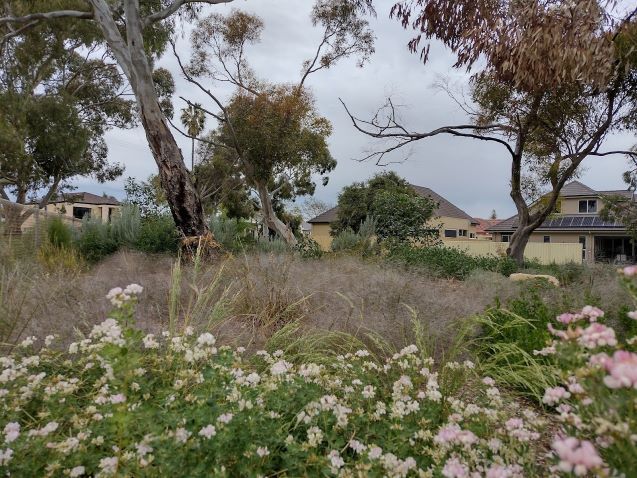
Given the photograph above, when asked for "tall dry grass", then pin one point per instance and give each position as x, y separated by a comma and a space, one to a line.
267, 300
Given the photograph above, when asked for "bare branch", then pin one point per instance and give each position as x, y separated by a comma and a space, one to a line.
47, 16
173, 7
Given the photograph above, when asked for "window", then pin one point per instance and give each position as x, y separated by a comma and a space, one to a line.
451, 233
588, 206
582, 241
547, 239
506, 238
81, 212
472, 236
462, 232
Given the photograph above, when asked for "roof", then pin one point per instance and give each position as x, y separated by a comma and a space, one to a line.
575, 188
330, 215
445, 208
562, 222
84, 197
484, 224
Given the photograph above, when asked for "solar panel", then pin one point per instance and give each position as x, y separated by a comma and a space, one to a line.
588, 221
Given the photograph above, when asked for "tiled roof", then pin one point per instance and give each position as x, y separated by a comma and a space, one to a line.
484, 224
562, 222
575, 188
87, 198
445, 208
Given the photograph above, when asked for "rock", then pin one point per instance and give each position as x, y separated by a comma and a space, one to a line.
519, 277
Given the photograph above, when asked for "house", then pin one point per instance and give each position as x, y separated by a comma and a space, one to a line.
482, 226
577, 221
454, 222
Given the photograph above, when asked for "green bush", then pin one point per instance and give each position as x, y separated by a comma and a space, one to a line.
450, 263
308, 248
95, 240
126, 225
59, 234
158, 234
362, 242
232, 234
274, 246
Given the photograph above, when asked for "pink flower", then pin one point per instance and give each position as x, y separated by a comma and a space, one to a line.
622, 370
578, 457
593, 313
455, 469
567, 318
454, 434
554, 395
629, 271
597, 335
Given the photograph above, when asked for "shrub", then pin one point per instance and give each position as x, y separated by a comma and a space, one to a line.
63, 259
362, 242
308, 248
158, 234
59, 234
447, 262
232, 234
121, 403
269, 246
95, 240
126, 226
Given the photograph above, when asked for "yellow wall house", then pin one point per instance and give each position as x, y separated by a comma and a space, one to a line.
577, 222
455, 223
77, 205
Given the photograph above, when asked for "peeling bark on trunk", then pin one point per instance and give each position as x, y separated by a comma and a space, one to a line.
270, 219
181, 194
519, 240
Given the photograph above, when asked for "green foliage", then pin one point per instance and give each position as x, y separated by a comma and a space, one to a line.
361, 242
233, 234
404, 218
95, 240
450, 263
272, 246
147, 195
158, 234
308, 248
126, 226
356, 202
65, 259
59, 234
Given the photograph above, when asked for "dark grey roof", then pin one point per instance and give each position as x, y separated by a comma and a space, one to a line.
575, 188
565, 222
84, 197
330, 215
445, 208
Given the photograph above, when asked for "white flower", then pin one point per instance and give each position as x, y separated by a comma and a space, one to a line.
206, 339
5, 456
335, 460
77, 471
369, 391
109, 465
11, 432
133, 289
280, 368
225, 418
375, 453
28, 342
208, 431
263, 451
314, 436
150, 342
182, 435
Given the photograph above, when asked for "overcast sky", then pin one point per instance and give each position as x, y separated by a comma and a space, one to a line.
472, 174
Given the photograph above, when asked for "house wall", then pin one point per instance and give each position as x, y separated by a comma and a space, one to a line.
571, 205
558, 253
66, 210
321, 231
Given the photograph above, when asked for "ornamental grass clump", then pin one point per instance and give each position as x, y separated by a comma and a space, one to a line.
120, 402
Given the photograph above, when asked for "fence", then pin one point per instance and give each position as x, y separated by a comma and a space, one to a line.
23, 228
558, 253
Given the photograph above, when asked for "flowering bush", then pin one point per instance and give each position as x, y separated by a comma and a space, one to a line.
121, 403
596, 400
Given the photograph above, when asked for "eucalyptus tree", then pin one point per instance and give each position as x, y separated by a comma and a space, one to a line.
552, 79
57, 99
134, 33
273, 133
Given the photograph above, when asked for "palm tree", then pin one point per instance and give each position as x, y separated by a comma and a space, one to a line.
193, 119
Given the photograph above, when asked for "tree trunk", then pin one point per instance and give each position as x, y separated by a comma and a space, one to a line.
519, 240
176, 181
270, 220
192, 156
